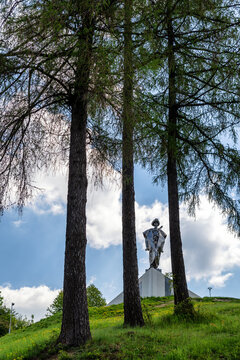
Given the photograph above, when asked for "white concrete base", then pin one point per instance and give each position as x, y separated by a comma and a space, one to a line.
152, 283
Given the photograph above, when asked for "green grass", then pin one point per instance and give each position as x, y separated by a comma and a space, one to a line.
30, 341
215, 334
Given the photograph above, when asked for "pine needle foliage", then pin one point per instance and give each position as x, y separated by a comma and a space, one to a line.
206, 63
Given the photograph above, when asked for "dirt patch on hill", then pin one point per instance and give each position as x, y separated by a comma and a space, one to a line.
165, 304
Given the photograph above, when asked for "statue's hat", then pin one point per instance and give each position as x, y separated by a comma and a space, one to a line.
154, 221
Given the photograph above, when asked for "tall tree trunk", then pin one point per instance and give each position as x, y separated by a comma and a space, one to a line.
132, 302
75, 323
178, 269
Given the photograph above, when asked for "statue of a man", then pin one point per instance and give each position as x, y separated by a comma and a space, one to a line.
154, 239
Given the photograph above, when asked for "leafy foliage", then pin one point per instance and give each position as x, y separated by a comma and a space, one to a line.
204, 64
95, 297
4, 321
57, 304
18, 322
1, 300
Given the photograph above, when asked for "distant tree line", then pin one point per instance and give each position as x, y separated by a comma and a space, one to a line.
153, 82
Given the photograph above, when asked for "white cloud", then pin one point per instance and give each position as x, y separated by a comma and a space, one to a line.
104, 216
210, 250
219, 280
29, 300
103, 206
92, 279
53, 195
18, 223
57, 209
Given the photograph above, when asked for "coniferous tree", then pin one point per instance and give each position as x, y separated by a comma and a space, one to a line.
51, 45
178, 268
132, 303
191, 109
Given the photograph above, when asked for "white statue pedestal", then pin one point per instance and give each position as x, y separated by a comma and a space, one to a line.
152, 283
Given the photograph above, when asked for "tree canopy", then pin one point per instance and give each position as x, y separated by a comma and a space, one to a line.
94, 296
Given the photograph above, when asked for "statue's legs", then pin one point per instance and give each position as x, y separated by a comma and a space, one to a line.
153, 258
156, 259
153, 265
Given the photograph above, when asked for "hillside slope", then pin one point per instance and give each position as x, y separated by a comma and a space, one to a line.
215, 334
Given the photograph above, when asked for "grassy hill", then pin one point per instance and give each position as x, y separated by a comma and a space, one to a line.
215, 334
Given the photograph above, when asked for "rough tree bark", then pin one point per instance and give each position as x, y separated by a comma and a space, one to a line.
178, 269
132, 302
75, 323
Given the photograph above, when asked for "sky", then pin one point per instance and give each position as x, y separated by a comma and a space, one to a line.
32, 245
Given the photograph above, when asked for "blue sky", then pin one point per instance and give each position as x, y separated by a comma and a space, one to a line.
32, 246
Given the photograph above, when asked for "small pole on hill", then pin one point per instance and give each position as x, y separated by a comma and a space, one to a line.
10, 323
210, 289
